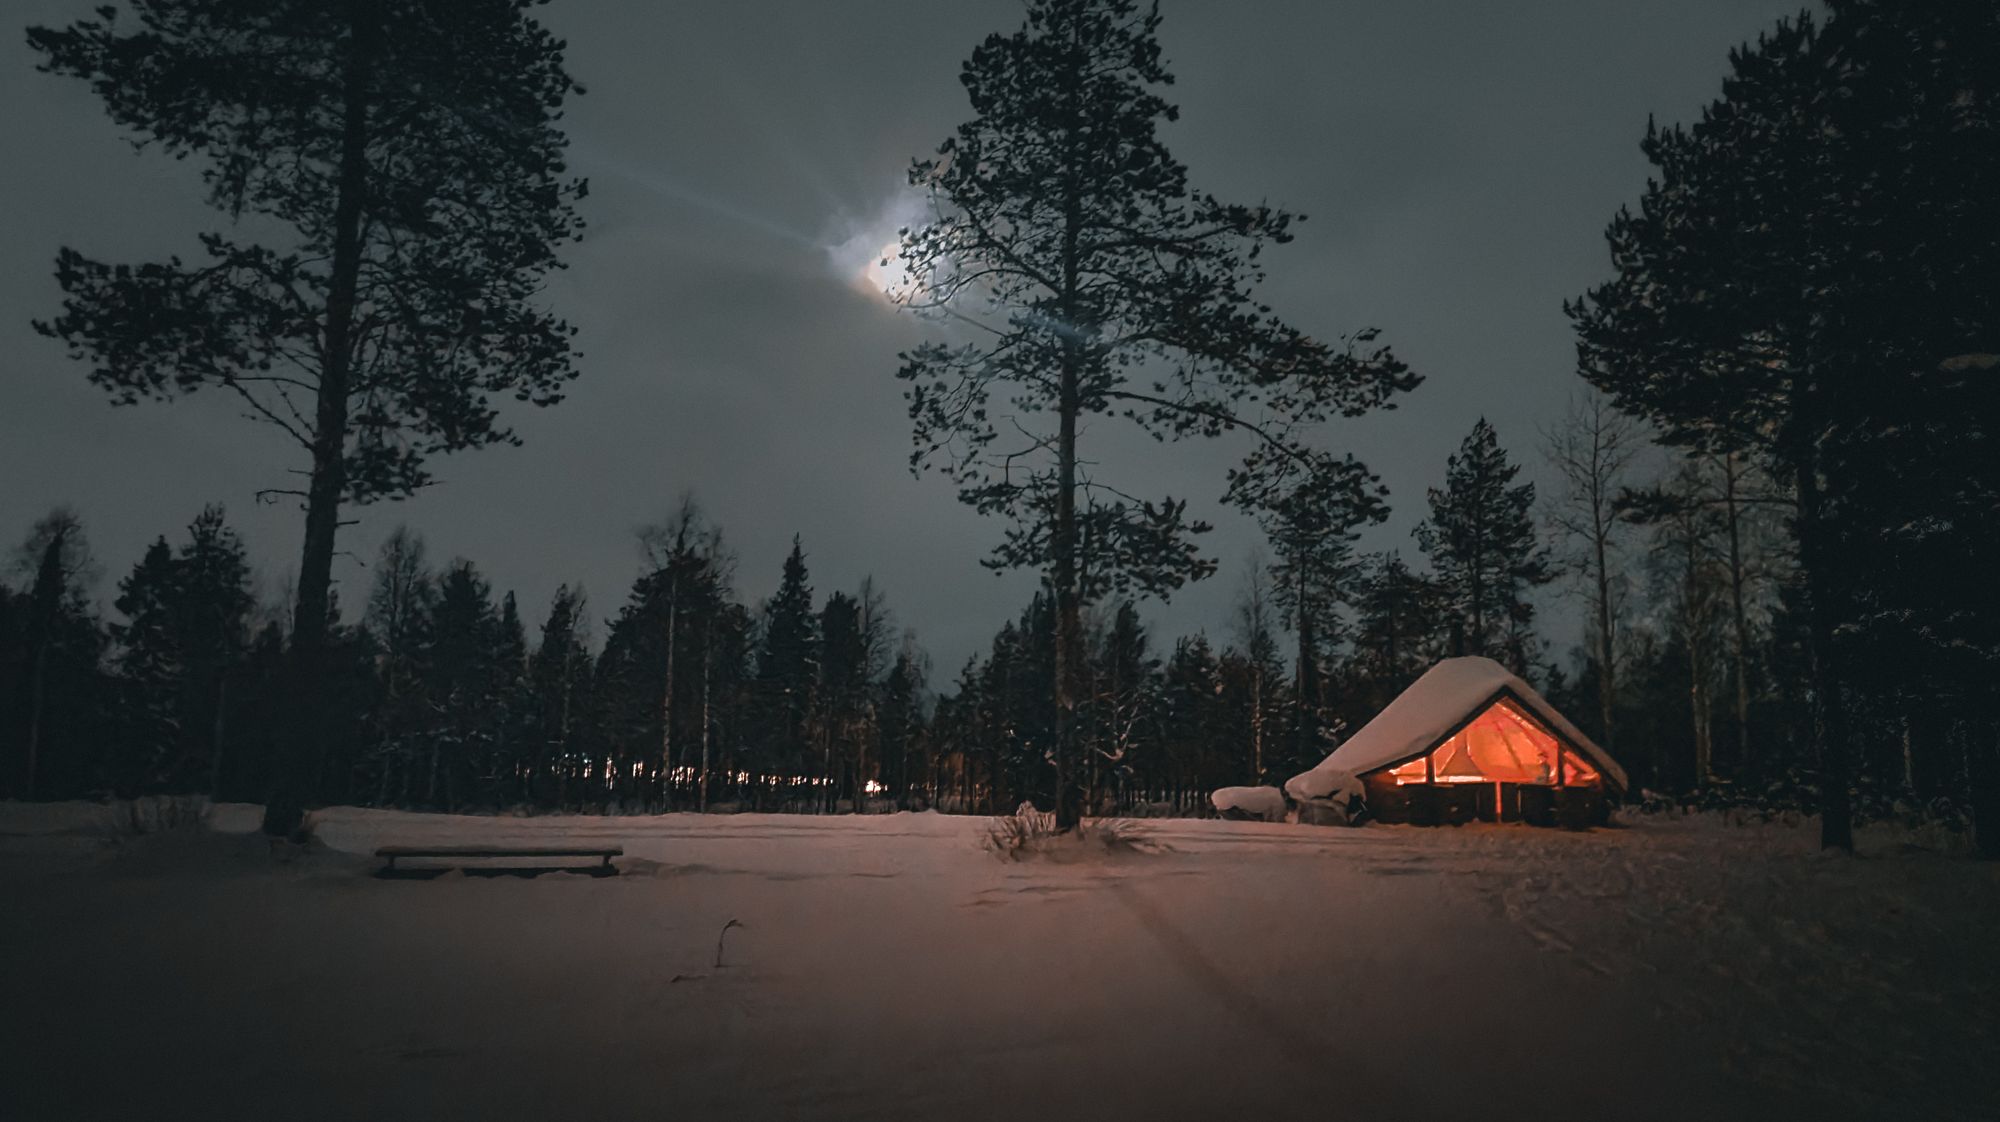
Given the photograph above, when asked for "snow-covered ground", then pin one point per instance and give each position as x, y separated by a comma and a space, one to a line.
890, 967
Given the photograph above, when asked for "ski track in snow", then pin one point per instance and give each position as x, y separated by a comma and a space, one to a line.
890, 967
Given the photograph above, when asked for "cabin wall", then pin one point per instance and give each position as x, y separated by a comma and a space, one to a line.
1455, 804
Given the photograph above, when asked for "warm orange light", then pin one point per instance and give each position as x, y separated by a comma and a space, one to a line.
1501, 745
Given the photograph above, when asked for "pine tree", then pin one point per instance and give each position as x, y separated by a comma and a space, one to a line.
1125, 705
680, 632
406, 162
1194, 724
150, 667
53, 715
401, 603
559, 674
1313, 526
1398, 631
513, 732
1481, 539
215, 619
1063, 218
900, 731
1811, 257
462, 679
187, 620
838, 694
786, 660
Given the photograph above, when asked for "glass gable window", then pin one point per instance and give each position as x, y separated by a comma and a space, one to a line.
1504, 744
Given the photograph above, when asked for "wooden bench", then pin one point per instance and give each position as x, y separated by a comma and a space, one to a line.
490, 852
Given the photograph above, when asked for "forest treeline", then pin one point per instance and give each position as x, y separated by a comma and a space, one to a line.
693, 695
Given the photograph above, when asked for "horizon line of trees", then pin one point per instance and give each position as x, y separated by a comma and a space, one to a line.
445, 696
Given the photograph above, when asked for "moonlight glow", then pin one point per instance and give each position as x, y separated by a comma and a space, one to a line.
868, 254
885, 272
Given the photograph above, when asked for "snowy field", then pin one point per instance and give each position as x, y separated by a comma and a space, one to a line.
890, 967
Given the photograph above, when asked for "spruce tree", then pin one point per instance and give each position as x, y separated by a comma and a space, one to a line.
1313, 526
513, 735
1194, 724
1482, 541
900, 723
187, 619
839, 694
559, 676
1125, 704
215, 620
150, 667
1397, 631
786, 659
462, 679
404, 167
54, 715
1107, 288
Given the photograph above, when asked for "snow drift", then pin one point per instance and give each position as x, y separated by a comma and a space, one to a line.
1266, 803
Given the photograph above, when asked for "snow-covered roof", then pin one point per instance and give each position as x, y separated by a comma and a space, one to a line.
1446, 697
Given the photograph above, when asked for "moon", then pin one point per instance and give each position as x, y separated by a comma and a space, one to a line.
867, 254
885, 272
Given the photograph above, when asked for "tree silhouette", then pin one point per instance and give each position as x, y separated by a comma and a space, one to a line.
1099, 285
1481, 538
407, 161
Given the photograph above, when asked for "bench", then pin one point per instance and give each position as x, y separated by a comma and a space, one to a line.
489, 852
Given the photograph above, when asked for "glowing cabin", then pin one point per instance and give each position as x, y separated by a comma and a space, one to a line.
1466, 741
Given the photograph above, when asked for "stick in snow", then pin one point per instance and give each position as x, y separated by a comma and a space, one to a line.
720, 937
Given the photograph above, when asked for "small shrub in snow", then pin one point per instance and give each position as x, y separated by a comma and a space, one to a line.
1031, 833
1013, 834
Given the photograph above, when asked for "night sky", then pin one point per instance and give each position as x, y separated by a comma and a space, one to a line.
1457, 160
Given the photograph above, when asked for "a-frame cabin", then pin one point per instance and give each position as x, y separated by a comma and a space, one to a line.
1467, 741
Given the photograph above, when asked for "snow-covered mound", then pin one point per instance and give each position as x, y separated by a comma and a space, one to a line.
1423, 714
1267, 803
1323, 782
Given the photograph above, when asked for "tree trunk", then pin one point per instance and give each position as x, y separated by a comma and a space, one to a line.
285, 809
215, 736
1982, 773
1306, 684
1607, 658
702, 778
1739, 625
1477, 587
1256, 725
1691, 626
1069, 609
37, 693
666, 775
1829, 710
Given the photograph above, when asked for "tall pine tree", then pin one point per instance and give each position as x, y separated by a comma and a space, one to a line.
1107, 288
786, 662
404, 165
1811, 261
1481, 539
